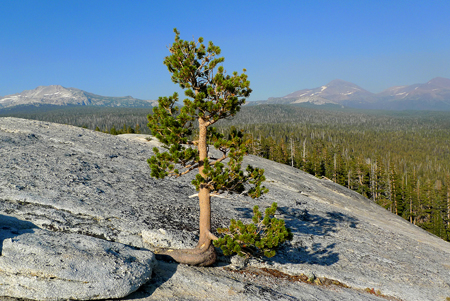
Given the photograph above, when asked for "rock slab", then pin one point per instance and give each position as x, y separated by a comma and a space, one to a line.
72, 180
44, 265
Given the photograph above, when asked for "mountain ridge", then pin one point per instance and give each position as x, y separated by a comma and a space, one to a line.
433, 95
59, 95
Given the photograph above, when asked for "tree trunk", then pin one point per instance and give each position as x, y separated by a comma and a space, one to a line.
349, 179
203, 195
394, 193
418, 200
204, 253
304, 151
292, 152
335, 169
448, 203
204, 242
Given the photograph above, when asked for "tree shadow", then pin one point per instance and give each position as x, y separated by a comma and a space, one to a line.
163, 272
11, 227
313, 242
245, 212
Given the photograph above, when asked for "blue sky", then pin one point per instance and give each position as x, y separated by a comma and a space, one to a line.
116, 48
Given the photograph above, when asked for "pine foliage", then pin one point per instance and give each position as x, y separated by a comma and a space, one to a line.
211, 96
261, 237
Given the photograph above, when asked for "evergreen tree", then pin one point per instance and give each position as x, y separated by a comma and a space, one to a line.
212, 96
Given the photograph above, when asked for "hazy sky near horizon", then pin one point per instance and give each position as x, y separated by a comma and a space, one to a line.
117, 48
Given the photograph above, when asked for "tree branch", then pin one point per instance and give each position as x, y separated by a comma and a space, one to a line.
212, 236
212, 195
188, 170
219, 160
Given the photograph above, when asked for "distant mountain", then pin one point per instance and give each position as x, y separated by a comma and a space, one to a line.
434, 95
312, 100
58, 95
336, 91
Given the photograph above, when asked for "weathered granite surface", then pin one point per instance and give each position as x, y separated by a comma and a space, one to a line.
72, 180
46, 265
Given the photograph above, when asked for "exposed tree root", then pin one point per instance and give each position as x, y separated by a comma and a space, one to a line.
198, 256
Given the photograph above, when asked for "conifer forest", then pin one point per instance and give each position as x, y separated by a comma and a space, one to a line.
398, 159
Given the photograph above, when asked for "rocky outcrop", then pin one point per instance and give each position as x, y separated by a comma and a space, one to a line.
46, 265
68, 180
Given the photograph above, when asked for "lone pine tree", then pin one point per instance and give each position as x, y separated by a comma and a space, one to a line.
212, 95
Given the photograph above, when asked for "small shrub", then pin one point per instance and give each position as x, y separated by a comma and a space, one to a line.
261, 237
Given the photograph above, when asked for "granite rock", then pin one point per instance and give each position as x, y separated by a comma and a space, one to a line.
76, 181
45, 265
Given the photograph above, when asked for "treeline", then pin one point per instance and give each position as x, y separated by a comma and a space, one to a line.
91, 117
126, 129
400, 160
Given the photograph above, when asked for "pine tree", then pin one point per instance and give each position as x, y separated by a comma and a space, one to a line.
113, 131
212, 96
